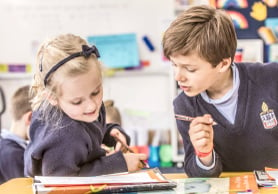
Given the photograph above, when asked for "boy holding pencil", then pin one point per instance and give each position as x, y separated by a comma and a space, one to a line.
227, 111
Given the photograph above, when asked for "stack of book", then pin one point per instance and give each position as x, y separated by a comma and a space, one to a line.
267, 178
144, 180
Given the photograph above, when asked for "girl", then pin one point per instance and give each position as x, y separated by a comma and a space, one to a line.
68, 124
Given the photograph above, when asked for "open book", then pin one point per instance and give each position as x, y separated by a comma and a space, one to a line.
144, 180
242, 184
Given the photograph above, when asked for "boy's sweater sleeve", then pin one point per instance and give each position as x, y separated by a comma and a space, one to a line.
192, 169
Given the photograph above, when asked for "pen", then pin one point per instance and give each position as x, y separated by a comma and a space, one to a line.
146, 165
188, 118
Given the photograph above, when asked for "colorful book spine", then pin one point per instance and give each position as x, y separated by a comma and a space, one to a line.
15, 68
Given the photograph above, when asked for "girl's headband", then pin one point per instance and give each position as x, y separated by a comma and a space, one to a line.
86, 52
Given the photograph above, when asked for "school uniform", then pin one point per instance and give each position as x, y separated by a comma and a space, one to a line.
72, 149
251, 141
11, 156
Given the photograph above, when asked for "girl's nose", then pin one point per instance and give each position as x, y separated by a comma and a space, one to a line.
91, 104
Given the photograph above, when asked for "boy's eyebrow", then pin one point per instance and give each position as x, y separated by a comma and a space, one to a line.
184, 64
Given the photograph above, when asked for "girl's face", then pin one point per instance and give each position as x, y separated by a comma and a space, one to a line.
82, 95
194, 75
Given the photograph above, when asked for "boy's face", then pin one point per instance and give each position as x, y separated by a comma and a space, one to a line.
195, 75
82, 95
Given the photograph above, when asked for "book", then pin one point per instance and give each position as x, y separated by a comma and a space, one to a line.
273, 173
144, 180
263, 179
243, 184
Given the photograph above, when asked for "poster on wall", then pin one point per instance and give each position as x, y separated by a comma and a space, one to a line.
249, 16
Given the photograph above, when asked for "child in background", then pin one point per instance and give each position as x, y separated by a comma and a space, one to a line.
242, 98
112, 113
112, 116
14, 141
69, 124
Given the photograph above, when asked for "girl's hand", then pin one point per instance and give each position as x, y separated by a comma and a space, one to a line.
201, 136
116, 133
134, 161
108, 150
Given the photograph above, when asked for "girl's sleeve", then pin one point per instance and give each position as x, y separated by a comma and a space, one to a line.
114, 163
77, 161
108, 139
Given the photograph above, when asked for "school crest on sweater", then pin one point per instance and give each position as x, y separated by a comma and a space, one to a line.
268, 117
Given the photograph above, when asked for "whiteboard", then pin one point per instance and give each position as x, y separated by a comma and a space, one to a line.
26, 23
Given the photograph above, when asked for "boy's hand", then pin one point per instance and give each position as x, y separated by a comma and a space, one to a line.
201, 134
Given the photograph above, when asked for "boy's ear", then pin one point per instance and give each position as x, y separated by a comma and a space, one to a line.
27, 117
225, 64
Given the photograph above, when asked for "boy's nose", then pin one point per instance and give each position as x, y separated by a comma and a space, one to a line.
179, 76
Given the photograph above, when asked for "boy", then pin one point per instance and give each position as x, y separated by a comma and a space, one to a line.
13, 142
235, 104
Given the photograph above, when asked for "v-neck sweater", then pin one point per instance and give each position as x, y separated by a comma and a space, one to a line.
252, 141
72, 149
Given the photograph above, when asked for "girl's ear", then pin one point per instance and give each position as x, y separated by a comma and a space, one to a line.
51, 99
225, 64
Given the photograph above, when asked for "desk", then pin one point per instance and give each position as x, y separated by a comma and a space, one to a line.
24, 185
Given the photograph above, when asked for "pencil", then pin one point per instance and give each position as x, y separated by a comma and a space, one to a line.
188, 118
145, 165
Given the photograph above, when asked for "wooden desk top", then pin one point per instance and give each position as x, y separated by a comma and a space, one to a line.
24, 185
225, 174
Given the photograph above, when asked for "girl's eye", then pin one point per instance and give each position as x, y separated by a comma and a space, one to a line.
76, 103
95, 93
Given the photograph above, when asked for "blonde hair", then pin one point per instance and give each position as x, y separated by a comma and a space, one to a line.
20, 102
49, 54
203, 29
112, 112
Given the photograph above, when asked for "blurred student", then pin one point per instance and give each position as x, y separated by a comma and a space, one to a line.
112, 113
14, 141
112, 116
69, 124
242, 98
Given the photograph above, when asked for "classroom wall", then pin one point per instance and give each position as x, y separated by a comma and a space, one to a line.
26, 23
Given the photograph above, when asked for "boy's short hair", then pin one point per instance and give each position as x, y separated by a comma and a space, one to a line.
202, 29
20, 102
